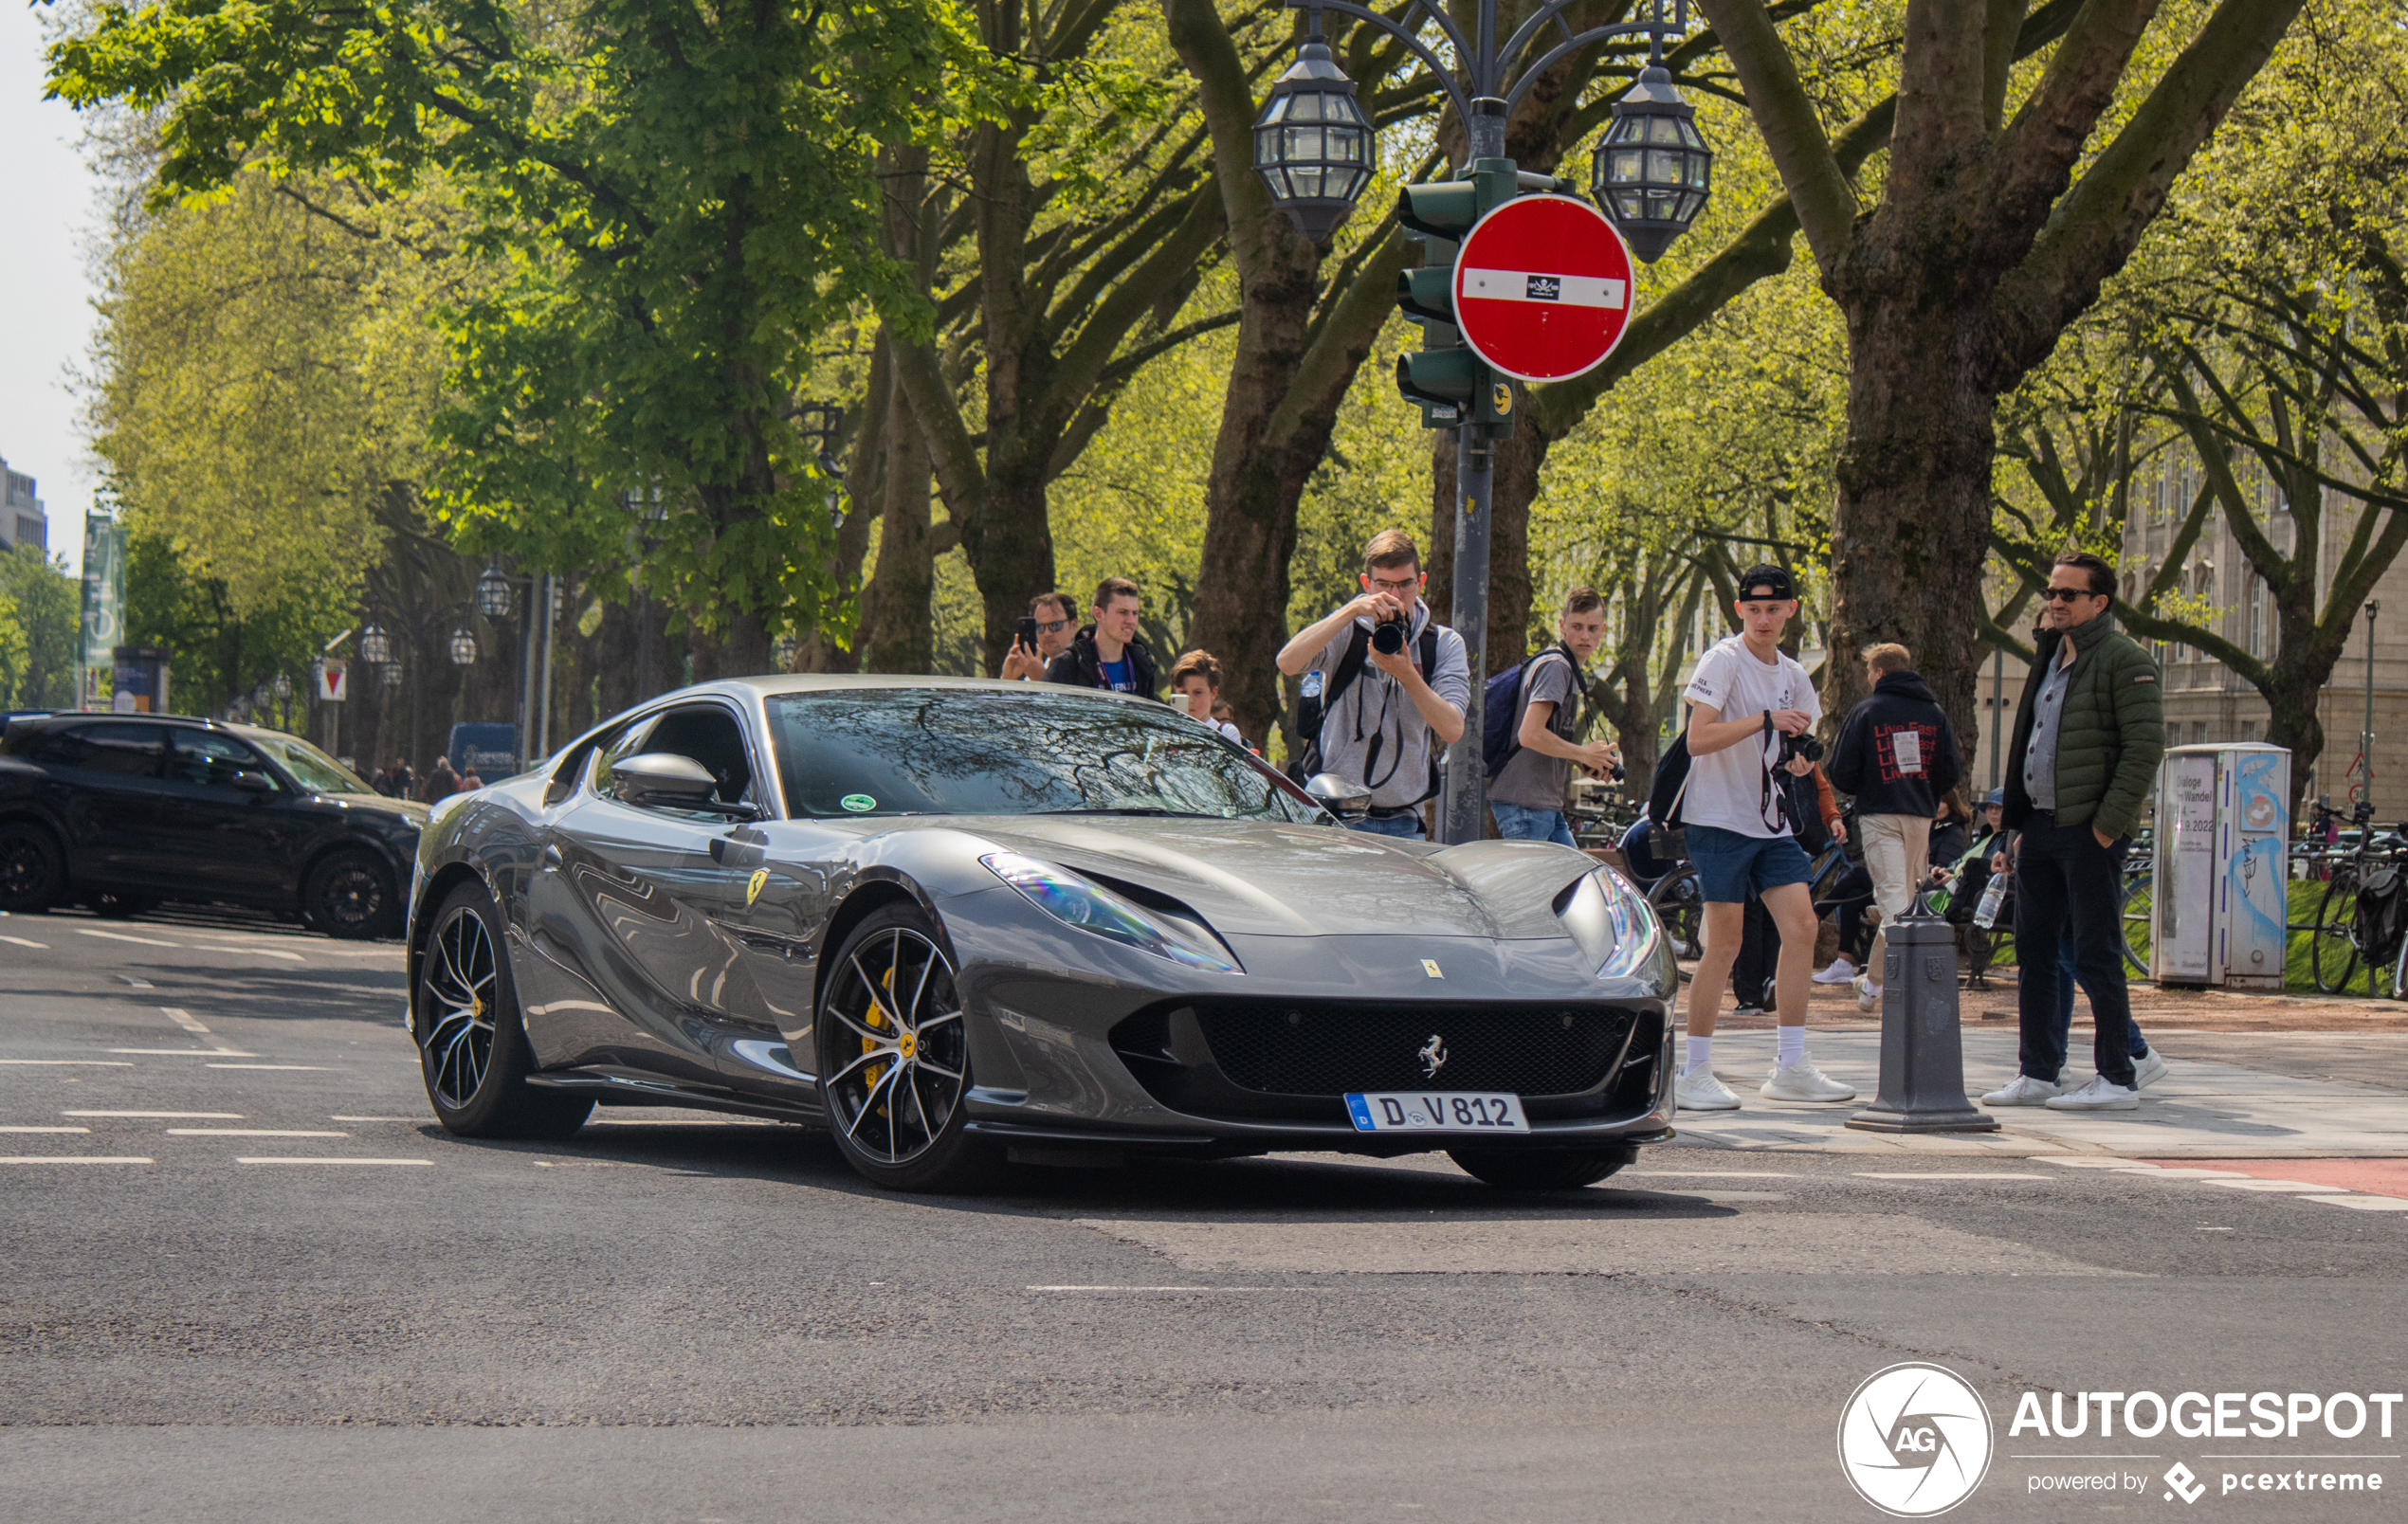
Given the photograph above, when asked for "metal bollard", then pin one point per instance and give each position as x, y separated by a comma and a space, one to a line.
1922, 1057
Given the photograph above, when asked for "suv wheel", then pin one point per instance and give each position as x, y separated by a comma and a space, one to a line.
32, 870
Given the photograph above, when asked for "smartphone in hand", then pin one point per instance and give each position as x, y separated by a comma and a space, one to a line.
1028, 637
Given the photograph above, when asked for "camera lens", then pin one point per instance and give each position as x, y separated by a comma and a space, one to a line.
1388, 635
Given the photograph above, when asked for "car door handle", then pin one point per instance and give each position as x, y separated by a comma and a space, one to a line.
718, 849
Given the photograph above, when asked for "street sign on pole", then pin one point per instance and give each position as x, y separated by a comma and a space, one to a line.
1542, 287
334, 681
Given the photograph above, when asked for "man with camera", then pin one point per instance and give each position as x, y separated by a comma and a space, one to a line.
1527, 795
1044, 634
1750, 710
1394, 684
1898, 756
1108, 654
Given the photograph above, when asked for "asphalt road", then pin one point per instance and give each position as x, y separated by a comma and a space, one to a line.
269, 1288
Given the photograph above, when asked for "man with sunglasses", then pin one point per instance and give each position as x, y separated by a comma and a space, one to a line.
2088, 738
1051, 613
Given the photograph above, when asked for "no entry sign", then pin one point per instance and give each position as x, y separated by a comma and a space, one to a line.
1542, 287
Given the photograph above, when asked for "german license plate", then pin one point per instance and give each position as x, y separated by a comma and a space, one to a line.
1436, 1111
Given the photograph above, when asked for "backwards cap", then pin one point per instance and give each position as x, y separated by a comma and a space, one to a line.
1765, 581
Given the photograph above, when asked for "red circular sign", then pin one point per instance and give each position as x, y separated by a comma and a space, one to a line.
1542, 287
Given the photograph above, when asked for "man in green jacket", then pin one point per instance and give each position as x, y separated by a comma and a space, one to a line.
2087, 742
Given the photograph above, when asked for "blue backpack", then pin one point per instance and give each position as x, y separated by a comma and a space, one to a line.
1501, 710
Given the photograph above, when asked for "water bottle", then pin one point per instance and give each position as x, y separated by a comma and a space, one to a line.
1985, 915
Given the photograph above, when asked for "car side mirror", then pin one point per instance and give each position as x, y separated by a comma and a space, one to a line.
664, 780
251, 780
1346, 800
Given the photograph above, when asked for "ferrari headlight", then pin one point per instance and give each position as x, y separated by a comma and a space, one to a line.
1090, 907
1612, 922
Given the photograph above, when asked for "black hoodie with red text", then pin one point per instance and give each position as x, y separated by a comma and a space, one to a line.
1896, 752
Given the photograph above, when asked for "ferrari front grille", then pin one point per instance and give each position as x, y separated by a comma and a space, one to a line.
1330, 1049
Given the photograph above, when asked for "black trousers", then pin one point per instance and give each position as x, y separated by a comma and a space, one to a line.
1760, 957
2062, 871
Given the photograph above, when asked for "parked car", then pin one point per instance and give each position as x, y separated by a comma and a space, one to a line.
124, 811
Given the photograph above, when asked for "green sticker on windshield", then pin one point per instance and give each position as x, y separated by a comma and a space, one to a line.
858, 804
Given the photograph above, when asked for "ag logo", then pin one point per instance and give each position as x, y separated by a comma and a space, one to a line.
1914, 1440
753, 886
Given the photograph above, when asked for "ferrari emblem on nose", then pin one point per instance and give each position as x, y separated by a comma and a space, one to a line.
753, 886
1430, 966
1434, 1056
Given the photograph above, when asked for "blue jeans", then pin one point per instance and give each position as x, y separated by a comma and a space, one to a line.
2066, 881
1407, 827
1519, 823
2067, 978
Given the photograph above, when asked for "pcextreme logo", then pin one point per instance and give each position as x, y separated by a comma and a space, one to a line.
1914, 1440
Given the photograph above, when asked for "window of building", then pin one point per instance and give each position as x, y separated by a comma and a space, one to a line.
2198, 732
2257, 618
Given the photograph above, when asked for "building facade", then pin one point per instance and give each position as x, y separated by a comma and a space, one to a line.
21, 520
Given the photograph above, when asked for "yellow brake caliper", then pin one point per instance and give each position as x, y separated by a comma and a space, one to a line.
876, 1021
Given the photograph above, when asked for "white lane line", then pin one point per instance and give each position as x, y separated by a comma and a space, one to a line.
132, 983
253, 952
187, 1053
44, 1129
2084, 1163
2294, 1186
121, 936
2363, 1204
185, 1020
1707, 1174
380, 1118
245, 1131
22, 942
69, 1158
293, 1158
1945, 1174
72, 1063
199, 1116
313, 1068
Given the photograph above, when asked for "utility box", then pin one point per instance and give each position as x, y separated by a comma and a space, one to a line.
2221, 908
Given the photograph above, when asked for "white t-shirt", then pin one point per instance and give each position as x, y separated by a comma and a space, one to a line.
1727, 788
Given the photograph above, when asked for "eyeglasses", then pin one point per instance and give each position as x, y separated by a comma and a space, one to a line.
1383, 585
1052, 626
2068, 594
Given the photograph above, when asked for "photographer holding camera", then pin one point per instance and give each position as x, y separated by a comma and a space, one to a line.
1740, 834
1394, 684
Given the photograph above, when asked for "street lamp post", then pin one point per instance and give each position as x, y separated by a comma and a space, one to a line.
2366, 736
1313, 150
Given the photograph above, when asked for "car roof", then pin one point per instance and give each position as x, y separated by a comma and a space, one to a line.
772, 685
65, 717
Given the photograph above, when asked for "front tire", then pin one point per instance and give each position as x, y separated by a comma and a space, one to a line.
894, 1058
1523, 1170
472, 1048
33, 869
349, 895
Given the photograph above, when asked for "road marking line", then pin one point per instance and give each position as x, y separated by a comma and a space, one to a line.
245, 1131
69, 1158
73, 1064
1150, 1288
204, 1116
313, 1068
1709, 1174
44, 1129
1946, 1174
380, 1118
2363, 1204
2278, 1186
188, 1053
22, 942
253, 952
132, 983
121, 936
290, 1158
184, 1019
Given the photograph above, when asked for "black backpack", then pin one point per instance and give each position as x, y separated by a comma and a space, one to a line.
1311, 708
2381, 915
1666, 834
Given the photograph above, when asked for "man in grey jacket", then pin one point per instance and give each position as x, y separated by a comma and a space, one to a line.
1384, 712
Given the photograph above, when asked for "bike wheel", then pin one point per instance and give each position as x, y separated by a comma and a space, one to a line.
1680, 902
2139, 901
2332, 956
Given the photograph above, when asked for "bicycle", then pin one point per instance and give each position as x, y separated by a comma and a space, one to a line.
1679, 898
2334, 952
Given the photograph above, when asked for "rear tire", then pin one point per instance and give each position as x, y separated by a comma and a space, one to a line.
1519, 1169
472, 1048
33, 869
349, 895
1678, 902
2332, 952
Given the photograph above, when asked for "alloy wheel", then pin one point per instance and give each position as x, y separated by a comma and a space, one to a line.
901, 1042
460, 985
351, 897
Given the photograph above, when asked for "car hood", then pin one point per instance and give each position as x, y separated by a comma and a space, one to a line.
408, 811
1262, 878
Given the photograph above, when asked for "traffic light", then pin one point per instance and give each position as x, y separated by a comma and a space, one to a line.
1445, 379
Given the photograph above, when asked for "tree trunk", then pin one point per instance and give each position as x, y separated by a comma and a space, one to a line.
896, 632
1912, 524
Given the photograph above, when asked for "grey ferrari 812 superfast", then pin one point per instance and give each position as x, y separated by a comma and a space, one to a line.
955, 923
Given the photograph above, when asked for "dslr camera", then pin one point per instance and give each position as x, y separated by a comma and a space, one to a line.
1388, 635
1801, 745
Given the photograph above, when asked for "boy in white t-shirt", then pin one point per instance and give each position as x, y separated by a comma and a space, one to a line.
1745, 699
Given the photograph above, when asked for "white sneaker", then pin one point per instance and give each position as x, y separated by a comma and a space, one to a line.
2023, 1091
2147, 1069
2101, 1094
1698, 1090
1840, 972
1803, 1082
1749, 1011
1868, 994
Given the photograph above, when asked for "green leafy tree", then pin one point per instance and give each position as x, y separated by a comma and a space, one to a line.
45, 605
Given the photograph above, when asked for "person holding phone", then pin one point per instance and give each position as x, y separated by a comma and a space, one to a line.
1045, 633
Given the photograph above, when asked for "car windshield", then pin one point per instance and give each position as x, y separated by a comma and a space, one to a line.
953, 751
311, 768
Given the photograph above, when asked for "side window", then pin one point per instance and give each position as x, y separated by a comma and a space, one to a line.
206, 759
710, 736
627, 742
573, 767
123, 750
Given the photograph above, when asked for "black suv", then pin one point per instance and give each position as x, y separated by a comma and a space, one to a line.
126, 810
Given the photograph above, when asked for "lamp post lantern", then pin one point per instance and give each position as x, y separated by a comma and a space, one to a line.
1315, 152
375, 646
464, 649
493, 593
